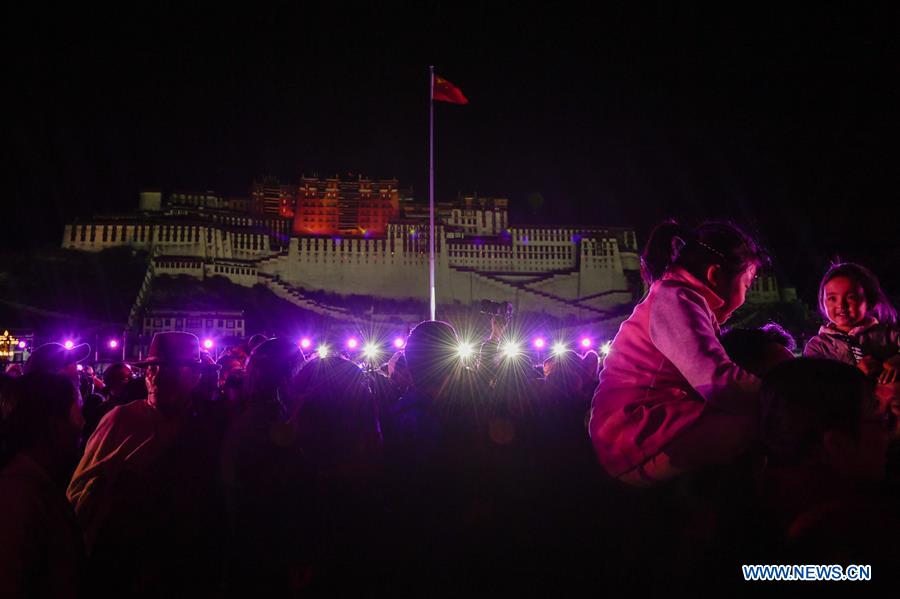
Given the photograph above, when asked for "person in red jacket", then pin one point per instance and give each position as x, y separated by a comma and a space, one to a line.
669, 398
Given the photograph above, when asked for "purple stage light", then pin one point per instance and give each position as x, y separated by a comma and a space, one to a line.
586, 342
21, 345
305, 343
399, 343
69, 344
113, 344
352, 343
208, 343
539, 343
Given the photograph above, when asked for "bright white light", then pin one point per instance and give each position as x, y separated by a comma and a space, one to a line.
21, 345
511, 350
322, 350
559, 348
68, 344
352, 342
604, 349
370, 350
586, 342
208, 343
305, 343
465, 350
399, 343
113, 344
540, 343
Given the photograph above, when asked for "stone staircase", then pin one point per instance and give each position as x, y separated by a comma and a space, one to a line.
550, 299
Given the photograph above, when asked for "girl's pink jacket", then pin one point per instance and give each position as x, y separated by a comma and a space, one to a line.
665, 367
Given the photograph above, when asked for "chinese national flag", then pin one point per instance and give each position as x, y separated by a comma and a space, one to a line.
444, 91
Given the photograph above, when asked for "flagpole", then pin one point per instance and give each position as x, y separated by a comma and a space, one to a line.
431, 191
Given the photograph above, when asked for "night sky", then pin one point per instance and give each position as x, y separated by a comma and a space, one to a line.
784, 121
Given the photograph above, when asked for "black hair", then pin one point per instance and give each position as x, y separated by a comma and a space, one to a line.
877, 300
747, 347
711, 243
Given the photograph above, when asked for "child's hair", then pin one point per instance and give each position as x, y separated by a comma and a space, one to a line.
878, 303
697, 249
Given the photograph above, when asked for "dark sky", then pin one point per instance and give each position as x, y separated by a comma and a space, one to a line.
784, 121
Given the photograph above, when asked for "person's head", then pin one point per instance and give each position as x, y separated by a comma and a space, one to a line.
849, 292
431, 355
398, 371
270, 367
758, 350
173, 369
116, 378
56, 359
720, 255
823, 413
590, 363
336, 416
41, 412
228, 364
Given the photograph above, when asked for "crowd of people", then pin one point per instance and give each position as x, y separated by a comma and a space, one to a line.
682, 454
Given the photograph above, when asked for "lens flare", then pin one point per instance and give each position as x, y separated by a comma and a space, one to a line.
511, 350
539, 343
69, 344
113, 344
559, 348
305, 343
208, 343
322, 350
604, 349
465, 350
370, 351
352, 343
586, 342
399, 343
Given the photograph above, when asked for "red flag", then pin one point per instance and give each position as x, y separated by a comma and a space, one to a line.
444, 91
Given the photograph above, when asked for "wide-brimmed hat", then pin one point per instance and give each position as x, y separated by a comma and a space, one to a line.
175, 348
53, 357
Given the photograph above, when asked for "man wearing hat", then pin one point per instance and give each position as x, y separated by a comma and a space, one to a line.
132, 437
54, 358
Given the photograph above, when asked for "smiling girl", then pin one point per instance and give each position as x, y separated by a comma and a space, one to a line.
861, 327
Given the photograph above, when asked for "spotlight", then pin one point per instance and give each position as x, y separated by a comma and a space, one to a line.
559, 348
208, 343
370, 351
21, 345
539, 343
305, 343
322, 350
604, 349
586, 342
69, 344
113, 344
465, 350
79, 367
511, 350
399, 343
352, 343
